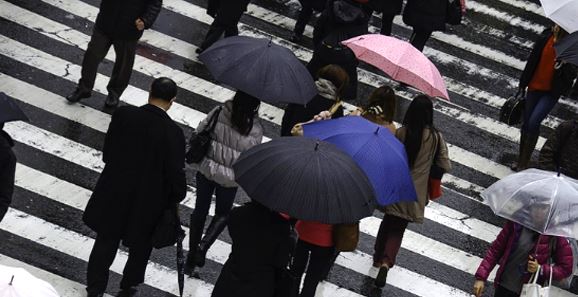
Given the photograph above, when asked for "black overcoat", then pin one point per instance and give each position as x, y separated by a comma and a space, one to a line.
426, 15
296, 113
116, 18
7, 170
390, 7
144, 155
563, 75
259, 252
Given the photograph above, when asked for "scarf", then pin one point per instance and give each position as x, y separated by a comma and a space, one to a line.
326, 89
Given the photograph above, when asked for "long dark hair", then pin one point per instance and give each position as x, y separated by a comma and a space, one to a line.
245, 108
381, 105
419, 116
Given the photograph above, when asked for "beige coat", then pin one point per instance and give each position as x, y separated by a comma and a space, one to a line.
414, 211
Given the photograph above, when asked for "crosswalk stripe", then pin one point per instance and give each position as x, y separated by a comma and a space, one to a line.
525, 5
505, 17
91, 159
64, 286
361, 262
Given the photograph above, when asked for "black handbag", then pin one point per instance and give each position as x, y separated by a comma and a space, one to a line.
454, 12
200, 142
511, 112
168, 230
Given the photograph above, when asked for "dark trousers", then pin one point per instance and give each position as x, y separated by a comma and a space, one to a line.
102, 256
304, 16
317, 259
537, 107
503, 292
419, 38
97, 49
220, 26
388, 241
386, 23
205, 190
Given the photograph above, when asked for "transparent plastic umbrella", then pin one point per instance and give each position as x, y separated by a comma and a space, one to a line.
543, 201
17, 282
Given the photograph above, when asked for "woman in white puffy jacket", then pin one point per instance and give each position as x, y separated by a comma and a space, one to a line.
237, 129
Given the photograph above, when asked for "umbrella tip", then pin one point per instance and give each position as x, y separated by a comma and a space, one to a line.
377, 130
270, 41
317, 145
11, 280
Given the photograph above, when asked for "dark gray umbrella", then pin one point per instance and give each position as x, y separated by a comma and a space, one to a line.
567, 48
9, 111
306, 179
261, 69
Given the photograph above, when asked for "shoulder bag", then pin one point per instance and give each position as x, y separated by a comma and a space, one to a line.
200, 142
168, 230
346, 237
511, 112
436, 173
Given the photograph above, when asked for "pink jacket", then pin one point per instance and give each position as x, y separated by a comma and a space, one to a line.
500, 250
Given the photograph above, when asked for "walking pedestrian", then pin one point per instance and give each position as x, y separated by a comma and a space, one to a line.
546, 80
314, 250
561, 150
144, 155
331, 83
425, 146
259, 252
307, 9
237, 129
7, 171
119, 24
519, 251
425, 17
388, 9
380, 108
226, 17
341, 20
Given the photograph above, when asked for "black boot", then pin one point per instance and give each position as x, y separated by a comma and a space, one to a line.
217, 226
527, 145
77, 95
195, 233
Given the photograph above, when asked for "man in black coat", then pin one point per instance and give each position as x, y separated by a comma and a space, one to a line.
120, 24
227, 14
144, 155
7, 169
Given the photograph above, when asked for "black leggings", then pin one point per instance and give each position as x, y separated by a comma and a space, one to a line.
319, 259
503, 292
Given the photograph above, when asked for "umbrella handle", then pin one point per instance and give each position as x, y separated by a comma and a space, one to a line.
335, 107
11, 280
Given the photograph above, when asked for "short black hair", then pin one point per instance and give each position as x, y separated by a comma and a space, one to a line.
163, 88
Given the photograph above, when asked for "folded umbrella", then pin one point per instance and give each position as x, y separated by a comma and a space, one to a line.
567, 49
306, 179
563, 13
378, 152
399, 60
543, 201
260, 68
17, 282
9, 110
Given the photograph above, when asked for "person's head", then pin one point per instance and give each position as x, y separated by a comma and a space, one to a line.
539, 214
163, 92
245, 107
336, 75
558, 32
381, 105
418, 116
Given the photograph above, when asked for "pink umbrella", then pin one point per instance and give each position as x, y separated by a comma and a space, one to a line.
401, 61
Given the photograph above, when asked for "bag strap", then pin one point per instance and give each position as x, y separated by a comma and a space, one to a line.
214, 119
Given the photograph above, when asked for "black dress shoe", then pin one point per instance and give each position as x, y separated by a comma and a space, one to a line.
77, 95
95, 295
381, 277
111, 101
132, 292
296, 38
199, 50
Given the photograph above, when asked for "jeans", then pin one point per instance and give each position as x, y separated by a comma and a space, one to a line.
388, 241
205, 189
318, 257
538, 105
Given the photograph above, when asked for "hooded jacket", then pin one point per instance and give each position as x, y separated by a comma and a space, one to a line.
226, 146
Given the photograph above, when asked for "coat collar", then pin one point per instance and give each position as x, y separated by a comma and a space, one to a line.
5, 139
156, 110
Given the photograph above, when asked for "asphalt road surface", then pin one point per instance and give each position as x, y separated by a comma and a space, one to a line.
42, 43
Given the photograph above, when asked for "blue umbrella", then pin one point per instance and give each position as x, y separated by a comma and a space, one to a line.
378, 152
260, 68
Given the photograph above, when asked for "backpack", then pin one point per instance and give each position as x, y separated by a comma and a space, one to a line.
566, 282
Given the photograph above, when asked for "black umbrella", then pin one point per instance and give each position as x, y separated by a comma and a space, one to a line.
9, 111
180, 261
306, 179
567, 48
260, 68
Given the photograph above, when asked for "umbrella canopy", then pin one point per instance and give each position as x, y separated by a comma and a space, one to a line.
9, 111
378, 152
260, 68
567, 48
537, 199
562, 12
401, 61
17, 282
306, 179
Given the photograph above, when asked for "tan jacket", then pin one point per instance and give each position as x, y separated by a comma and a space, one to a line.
414, 211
